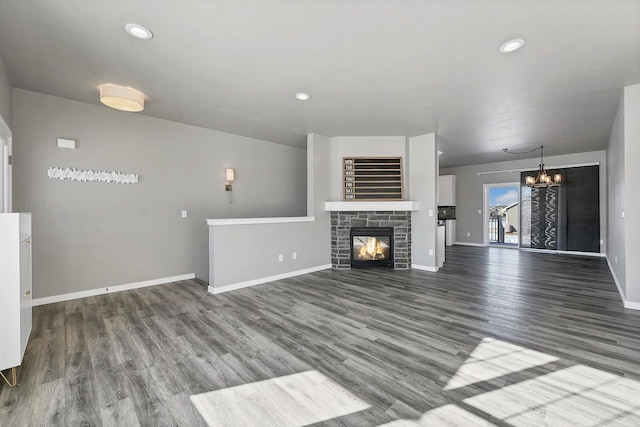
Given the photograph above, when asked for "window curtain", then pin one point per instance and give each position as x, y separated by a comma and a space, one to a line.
565, 218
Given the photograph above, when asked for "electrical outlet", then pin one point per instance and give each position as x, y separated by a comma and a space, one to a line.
294, 255
468, 234
280, 258
430, 212
184, 214
430, 252
601, 242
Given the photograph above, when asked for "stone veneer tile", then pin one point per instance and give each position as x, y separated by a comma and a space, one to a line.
341, 223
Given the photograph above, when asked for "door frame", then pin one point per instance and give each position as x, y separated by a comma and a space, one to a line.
485, 203
6, 193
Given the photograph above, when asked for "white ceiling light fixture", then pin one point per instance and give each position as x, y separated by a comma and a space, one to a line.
121, 98
138, 31
512, 45
302, 96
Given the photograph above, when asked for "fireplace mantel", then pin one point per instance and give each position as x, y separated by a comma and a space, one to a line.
371, 206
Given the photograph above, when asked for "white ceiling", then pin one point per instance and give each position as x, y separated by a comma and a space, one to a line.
372, 67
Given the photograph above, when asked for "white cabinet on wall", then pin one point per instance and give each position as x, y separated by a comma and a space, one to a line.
15, 288
447, 190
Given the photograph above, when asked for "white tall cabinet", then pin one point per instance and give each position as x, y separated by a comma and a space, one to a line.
15, 288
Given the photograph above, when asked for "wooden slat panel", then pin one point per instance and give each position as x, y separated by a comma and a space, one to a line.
373, 178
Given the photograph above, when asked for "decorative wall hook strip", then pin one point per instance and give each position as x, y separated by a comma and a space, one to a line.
88, 175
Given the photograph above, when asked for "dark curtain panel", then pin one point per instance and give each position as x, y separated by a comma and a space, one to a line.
583, 215
563, 218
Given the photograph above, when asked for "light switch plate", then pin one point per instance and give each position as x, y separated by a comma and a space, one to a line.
184, 214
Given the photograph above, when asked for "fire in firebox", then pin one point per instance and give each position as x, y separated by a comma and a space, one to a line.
370, 248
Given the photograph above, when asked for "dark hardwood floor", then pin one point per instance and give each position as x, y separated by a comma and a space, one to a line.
498, 336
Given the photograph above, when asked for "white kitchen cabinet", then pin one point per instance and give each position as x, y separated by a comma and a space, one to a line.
447, 190
15, 288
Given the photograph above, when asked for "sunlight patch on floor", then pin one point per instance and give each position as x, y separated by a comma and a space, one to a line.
493, 358
292, 400
577, 396
447, 415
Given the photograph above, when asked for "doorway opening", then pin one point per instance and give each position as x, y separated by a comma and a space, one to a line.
502, 214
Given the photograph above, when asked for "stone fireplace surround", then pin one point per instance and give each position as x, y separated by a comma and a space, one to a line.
342, 221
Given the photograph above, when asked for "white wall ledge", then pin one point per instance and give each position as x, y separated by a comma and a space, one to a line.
372, 206
249, 221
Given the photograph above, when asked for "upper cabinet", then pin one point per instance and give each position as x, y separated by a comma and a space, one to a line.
447, 190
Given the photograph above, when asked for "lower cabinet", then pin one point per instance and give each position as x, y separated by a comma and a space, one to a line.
15, 287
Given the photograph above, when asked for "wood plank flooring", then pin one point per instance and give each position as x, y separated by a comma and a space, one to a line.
547, 334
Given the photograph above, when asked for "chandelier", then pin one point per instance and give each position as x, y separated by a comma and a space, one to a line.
542, 179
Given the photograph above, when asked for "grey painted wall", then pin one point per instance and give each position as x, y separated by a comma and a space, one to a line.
631, 203
93, 235
423, 182
6, 110
240, 253
615, 198
469, 189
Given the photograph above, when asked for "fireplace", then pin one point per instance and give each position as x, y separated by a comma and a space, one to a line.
371, 247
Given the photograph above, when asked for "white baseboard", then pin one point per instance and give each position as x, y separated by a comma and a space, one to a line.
616, 281
469, 244
632, 305
551, 251
424, 268
627, 304
267, 279
110, 289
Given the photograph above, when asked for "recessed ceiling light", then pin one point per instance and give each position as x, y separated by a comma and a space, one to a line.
138, 31
511, 45
302, 96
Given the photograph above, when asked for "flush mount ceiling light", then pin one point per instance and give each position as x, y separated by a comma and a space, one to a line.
512, 45
302, 96
121, 98
138, 31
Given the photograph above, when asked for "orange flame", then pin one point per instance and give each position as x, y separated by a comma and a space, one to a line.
372, 249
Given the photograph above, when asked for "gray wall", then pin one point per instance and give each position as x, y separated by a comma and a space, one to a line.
93, 235
423, 182
469, 189
631, 203
240, 253
5, 95
615, 198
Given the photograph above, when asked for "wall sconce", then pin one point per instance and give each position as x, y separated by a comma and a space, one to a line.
229, 177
